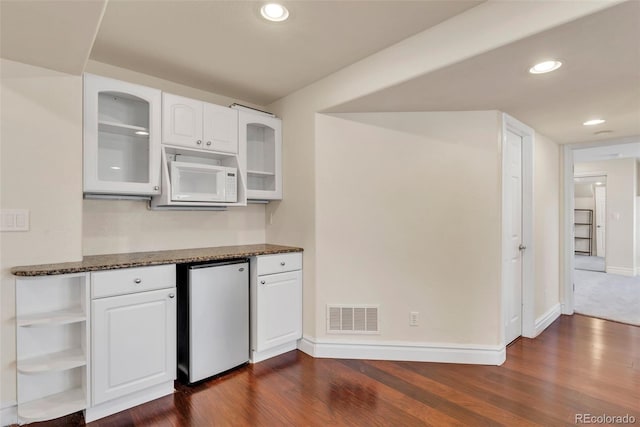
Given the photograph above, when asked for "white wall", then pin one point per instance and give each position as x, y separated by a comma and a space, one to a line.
546, 227
408, 217
293, 220
128, 226
41, 170
637, 272
107, 70
621, 211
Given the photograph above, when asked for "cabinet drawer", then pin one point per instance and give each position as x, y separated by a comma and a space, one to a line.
278, 263
130, 280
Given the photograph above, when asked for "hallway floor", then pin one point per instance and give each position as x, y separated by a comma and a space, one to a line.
591, 263
607, 296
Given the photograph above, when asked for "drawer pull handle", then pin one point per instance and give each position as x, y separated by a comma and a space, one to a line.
241, 269
171, 295
262, 282
137, 281
282, 263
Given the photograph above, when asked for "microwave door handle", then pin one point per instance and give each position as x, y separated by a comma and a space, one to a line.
221, 184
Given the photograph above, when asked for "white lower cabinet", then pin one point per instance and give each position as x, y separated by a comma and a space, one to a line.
133, 337
276, 304
52, 346
134, 343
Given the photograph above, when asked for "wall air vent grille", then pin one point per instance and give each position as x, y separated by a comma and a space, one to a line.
352, 319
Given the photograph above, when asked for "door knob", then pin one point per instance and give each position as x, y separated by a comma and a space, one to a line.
522, 247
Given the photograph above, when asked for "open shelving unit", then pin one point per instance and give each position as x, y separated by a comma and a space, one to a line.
583, 231
52, 346
53, 406
61, 317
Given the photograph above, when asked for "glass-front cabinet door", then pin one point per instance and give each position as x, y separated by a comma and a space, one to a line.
121, 137
263, 137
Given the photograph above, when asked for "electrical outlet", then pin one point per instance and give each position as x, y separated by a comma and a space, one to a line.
413, 318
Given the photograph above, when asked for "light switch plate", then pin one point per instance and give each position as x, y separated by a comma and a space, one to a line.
14, 220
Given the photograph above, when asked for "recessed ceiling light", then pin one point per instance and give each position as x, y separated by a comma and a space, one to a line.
594, 122
142, 132
115, 168
545, 67
274, 12
601, 132
598, 183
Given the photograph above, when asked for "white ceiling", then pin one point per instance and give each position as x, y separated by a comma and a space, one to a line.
50, 34
600, 78
227, 48
608, 152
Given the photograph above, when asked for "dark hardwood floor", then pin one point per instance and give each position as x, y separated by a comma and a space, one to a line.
579, 365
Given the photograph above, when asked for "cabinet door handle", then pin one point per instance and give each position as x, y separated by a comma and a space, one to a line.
208, 143
171, 295
282, 263
241, 269
155, 187
199, 142
262, 282
137, 281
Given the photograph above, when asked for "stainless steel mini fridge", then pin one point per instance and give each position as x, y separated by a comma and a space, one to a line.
213, 318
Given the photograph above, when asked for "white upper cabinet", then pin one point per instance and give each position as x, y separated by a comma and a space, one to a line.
196, 124
262, 134
181, 121
220, 128
121, 137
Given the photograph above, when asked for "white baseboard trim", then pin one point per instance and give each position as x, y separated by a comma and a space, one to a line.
547, 318
409, 351
9, 413
129, 401
622, 271
259, 356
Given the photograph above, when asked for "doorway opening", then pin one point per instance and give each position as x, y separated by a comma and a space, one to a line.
602, 230
589, 226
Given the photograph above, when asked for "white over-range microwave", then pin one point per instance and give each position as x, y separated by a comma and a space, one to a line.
195, 182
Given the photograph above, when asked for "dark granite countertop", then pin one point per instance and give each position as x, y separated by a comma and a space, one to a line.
140, 259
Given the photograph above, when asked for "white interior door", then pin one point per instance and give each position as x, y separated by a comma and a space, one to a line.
601, 203
513, 327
